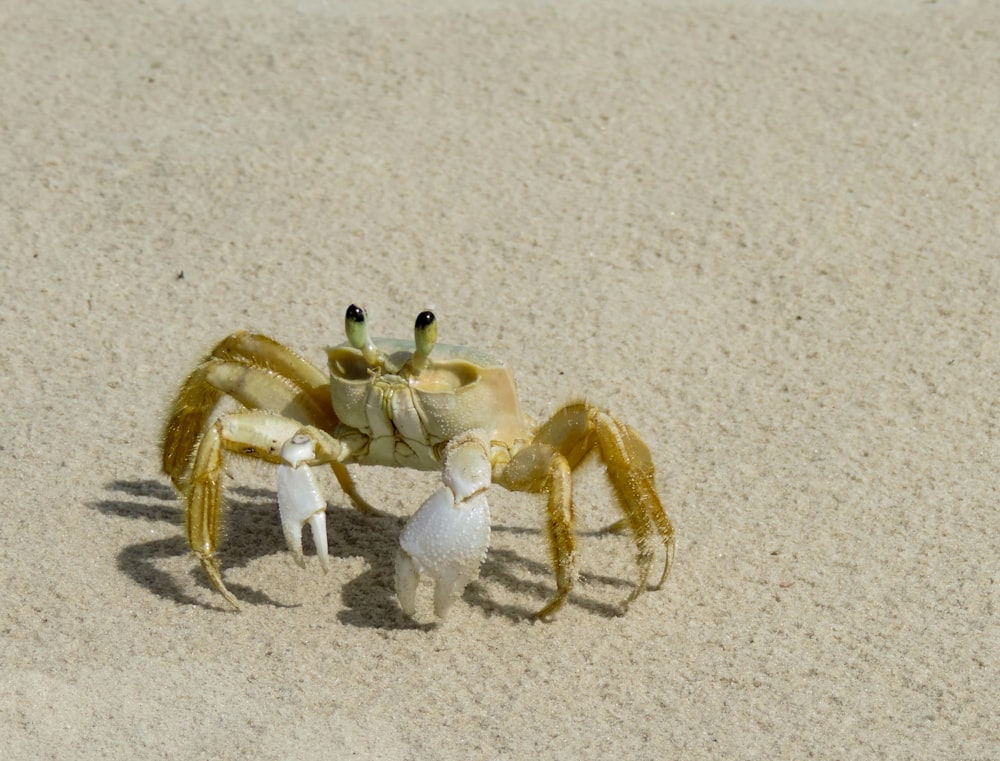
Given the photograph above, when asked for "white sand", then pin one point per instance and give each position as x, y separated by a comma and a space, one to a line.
766, 236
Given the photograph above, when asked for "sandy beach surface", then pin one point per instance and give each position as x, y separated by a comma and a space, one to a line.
766, 235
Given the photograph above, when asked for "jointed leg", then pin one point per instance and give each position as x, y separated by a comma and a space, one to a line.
562, 540
255, 434
199, 395
253, 387
541, 468
259, 373
571, 434
630, 469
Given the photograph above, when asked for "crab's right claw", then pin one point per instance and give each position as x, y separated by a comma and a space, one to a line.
446, 541
448, 536
300, 500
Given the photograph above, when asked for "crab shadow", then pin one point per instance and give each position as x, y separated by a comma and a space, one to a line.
253, 531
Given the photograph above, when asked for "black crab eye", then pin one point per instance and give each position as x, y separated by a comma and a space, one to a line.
355, 315
425, 320
356, 327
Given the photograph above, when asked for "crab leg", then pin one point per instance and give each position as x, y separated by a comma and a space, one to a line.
577, 429
630, 469
270, 370
280, 381
448, 536
545, 465
541, 468
255, 434
258, 388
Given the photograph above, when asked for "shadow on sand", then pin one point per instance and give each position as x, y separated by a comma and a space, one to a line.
253, 531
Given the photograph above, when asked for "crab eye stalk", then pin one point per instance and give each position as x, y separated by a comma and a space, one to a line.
356, 327
424, 336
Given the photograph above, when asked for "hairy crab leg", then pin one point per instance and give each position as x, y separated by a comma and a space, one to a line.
541, 468
569, 436
198, 396
259, 373
562, 540
448, 536
254, 434
262, 351
630, 468
314, 382
258, 388
188, 416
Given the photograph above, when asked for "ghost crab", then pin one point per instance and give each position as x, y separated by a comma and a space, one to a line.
393, 403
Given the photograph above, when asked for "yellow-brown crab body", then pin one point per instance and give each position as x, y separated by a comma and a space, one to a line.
390, 402
405, 418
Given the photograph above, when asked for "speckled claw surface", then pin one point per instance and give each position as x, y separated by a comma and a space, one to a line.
447, 538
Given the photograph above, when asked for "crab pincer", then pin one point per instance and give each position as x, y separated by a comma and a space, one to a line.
447, 538
300, 500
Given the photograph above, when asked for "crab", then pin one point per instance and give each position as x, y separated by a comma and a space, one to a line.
417, 405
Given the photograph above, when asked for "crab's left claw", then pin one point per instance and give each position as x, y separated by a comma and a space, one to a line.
300, 500
448, 536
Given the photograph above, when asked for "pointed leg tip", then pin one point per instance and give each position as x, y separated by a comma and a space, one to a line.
547, 614
210, 565
407, 578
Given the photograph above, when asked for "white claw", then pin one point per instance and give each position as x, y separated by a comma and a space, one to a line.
446, 541
447, 538
300, 500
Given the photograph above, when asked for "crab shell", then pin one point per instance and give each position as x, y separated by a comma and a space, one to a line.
410, 415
